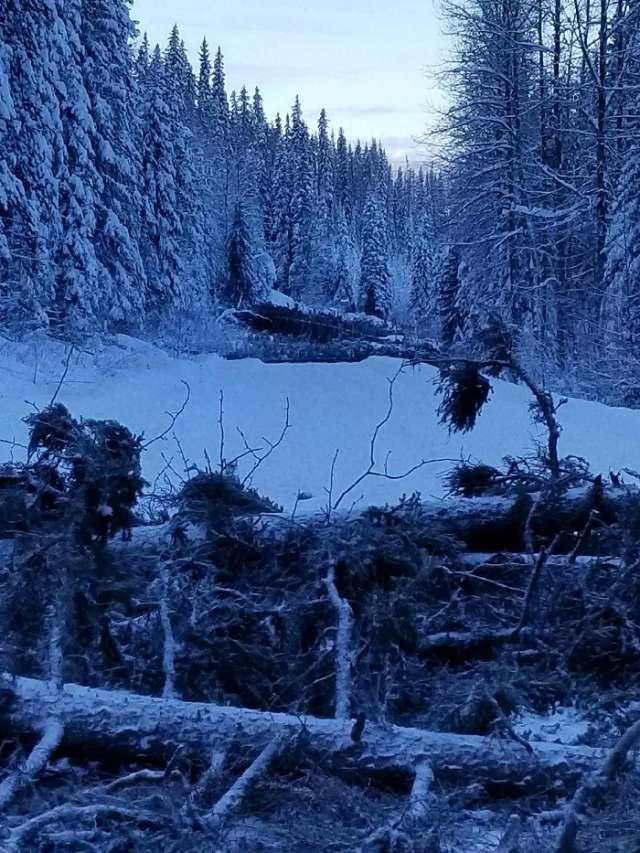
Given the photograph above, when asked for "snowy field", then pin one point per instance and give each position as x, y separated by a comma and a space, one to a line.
333, 407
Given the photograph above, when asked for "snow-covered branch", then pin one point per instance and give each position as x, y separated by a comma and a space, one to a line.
344, 651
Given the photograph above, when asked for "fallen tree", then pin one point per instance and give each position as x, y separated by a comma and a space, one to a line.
487, 524
136, 726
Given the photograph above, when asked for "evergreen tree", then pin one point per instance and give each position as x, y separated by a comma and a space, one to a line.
143, 60
11, 194
203, 89
179, 80
422, 272
107, 72
326, 178
344, 196
448, 298
162, 226
34, 43
375, 279
264, 159
346, 271
243, 284
77, 292
280, 237
301, 206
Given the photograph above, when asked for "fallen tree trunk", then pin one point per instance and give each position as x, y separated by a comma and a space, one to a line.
499, 523
124, 723
485, 524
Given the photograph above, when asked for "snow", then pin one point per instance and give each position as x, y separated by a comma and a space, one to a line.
562, 725
333, 407
282, 300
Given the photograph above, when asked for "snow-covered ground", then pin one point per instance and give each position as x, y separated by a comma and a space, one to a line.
332, 407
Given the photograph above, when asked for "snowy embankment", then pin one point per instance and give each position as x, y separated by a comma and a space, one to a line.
333, 407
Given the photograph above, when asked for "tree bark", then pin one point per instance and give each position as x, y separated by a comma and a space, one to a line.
124, 723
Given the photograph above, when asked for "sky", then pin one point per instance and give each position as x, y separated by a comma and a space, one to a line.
368, 62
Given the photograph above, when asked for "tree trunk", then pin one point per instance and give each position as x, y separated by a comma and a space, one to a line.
117, 722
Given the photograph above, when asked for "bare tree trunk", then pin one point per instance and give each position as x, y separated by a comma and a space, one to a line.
592, 784
169, 643
344, 652
119, 722
231, 802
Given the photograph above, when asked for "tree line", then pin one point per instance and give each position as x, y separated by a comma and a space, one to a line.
132, 184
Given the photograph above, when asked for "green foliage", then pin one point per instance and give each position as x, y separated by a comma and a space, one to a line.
471, 481
464, 392
215, 499
82, 476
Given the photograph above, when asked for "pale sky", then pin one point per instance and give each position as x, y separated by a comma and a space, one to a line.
366, 61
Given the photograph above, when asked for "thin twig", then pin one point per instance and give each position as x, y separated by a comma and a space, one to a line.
174, 417
64, 375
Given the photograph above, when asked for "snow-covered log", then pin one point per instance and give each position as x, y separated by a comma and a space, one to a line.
35, 763
231, 802
135, 725
497, 523
421, 790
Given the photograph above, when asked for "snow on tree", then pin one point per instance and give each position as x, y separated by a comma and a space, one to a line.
248, 279
375, 278
280, 236
162, 225
125, 170
34, 42
11, 192
108, 77
347, 267
448, 298
621, 304
422, 279
79, 272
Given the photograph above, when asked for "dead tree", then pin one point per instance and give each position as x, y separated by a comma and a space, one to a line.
344, 653
593, 784
129, 724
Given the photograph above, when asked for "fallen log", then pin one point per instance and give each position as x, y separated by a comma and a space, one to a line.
499, 523
486, 524
117, 722
453, 645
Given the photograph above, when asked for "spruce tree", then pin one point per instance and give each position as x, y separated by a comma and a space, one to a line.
78, 299
162, 224
203, 89
448, 298
422, 285
346, 270
35, 47
302, 205
11, 193
375, 278
116, 140
243, 284
280, 237
344, 189
326, 177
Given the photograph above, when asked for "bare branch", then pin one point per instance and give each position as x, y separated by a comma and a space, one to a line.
174, 417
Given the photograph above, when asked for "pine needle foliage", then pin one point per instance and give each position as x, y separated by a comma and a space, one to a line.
464, 392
